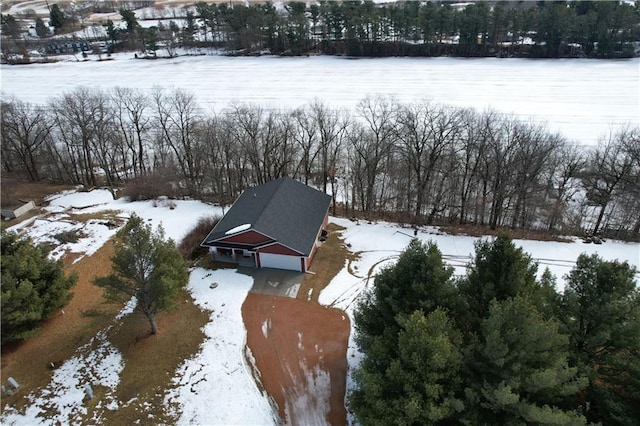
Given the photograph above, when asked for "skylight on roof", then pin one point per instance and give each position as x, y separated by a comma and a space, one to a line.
237, 229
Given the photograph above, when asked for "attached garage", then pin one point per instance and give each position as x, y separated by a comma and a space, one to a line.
278, 224
280, 261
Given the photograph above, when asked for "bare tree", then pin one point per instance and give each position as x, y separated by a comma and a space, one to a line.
332, 127
427, 132
565, 168
535, 148
177, 116
305, 135
80, 115
608, 167
132, 117
372, 143
25, 128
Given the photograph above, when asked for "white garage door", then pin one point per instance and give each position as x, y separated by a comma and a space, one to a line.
279, 261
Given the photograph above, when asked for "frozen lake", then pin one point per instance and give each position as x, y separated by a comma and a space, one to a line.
580, 98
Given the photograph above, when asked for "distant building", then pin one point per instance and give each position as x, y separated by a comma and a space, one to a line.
12, 212
61, 47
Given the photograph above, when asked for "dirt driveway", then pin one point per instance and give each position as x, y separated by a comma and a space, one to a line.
299, 348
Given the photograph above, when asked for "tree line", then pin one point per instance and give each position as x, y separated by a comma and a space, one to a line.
602, 29
418, 163
498, 345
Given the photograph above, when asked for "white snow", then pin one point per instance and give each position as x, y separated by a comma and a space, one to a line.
581, 98
217, 385
380, 244
238, 228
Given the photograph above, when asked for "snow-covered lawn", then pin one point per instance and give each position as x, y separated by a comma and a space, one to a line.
216, 386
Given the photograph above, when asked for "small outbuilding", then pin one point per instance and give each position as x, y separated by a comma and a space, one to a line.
274, 225
14, 211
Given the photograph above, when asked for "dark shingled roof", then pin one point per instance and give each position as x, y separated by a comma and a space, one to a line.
284, 209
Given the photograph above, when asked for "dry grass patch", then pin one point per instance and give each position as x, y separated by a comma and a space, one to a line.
106, 215
150, 361
328, 261
517, 234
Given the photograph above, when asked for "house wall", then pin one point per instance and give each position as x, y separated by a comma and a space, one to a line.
277, 248
317, 243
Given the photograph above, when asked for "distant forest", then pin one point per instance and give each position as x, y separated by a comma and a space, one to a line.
415, 163
543, 29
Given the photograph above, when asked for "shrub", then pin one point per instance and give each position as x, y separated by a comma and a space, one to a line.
158, 183
67, 237
189, 247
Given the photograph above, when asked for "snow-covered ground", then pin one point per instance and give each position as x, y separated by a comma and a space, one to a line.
580, 98
219, 375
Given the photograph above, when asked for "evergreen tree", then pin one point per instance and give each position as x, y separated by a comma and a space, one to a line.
519, 371
112, 31
418, 281
500, 271
41, 28
423, 385
56, 18
33, 287
129, 17
389, 333
600, 311
10, 26
147, 267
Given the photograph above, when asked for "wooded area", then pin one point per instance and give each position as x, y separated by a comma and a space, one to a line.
602, 29
498, 345
420, 163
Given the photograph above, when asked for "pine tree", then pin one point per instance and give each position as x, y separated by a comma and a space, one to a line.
500, 271
390, 324
147, 267
56, 18
41, 28
600, 311
423, 385
519, 370
33, 287
418, 281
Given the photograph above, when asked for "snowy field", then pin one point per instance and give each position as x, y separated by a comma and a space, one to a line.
218, 376
583, 99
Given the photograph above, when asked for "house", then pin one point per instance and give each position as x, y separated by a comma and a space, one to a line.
13, 212
274, 225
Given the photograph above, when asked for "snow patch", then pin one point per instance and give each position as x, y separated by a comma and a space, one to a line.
218, 375
62, 401
266, 326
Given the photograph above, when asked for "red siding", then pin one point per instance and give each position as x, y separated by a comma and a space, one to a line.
249, 237
310, 258
278, 249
